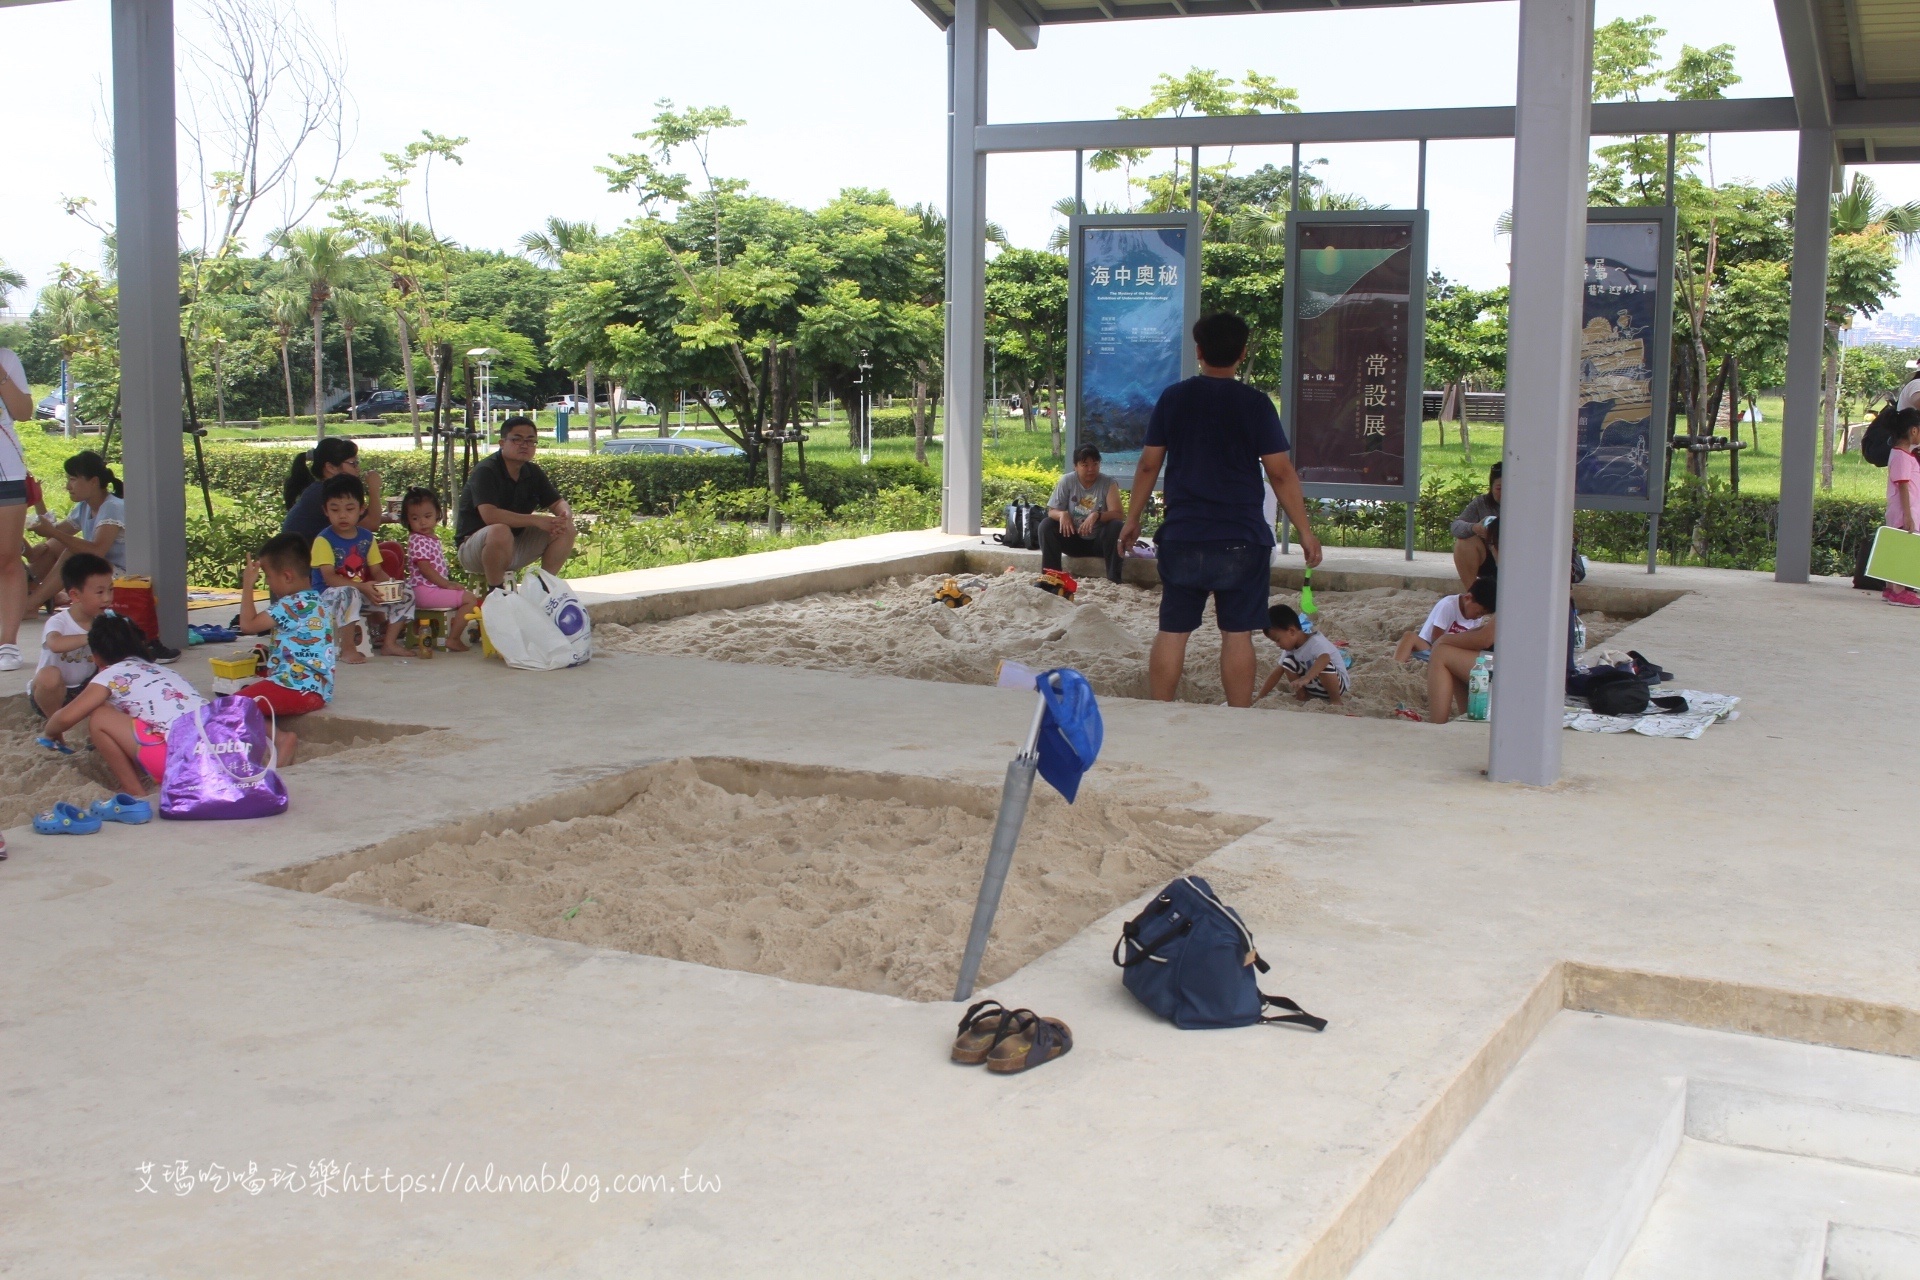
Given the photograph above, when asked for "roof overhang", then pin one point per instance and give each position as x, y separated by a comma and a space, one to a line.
1019, 21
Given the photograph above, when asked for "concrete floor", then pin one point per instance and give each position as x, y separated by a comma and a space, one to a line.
158, 1005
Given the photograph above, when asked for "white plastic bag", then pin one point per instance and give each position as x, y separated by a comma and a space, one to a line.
562, 608
521, 631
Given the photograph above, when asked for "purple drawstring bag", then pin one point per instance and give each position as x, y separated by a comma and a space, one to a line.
220, 764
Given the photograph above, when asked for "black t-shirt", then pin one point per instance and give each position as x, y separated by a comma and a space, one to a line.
1215, 431
488, 484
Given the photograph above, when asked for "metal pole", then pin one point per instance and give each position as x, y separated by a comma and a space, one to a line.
1295, 205
1653, 541
1552, 134
1413, 506
1193, 183
1420, 190
146, 200
966, 265
1412, 509
1079, 174
1806, 345
1015, 794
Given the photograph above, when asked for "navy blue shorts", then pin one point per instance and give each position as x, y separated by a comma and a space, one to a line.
13, 493
1235, 574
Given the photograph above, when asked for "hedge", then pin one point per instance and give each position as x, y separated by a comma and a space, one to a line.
894, 423
653, 484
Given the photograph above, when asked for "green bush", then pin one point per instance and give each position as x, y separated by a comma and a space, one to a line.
653, 485
892, 424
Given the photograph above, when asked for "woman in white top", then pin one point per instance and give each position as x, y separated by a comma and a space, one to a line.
94, 526
16, 405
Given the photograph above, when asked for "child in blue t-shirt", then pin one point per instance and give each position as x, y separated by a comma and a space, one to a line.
300, 663
346, 567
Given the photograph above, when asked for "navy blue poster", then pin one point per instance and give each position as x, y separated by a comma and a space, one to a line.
1133, 291
1618, 348
1352, 304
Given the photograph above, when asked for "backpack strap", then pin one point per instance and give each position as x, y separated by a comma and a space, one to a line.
1299, 1017
1130, 934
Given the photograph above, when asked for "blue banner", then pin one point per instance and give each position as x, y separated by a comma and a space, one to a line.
1133, 322
1621, 298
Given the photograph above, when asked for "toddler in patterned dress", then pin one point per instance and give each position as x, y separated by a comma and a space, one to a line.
427, 567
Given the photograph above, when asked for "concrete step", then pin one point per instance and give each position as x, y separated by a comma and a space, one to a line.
1602, 1151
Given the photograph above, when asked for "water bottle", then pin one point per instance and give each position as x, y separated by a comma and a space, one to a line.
1480, 688
1579, 635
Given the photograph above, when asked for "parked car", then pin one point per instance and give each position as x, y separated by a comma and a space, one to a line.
675, 446
51, 406
381, 402
511, 404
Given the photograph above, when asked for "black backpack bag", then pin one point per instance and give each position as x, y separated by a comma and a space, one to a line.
1023, 525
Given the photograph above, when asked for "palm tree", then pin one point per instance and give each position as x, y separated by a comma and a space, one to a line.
353, 310
283, 308
320, 258
559, 239
9, 281
552, 246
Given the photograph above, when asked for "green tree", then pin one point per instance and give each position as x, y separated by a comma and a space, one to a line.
283, 308
320, 260
354, 310
1027, 321
1198, 91
1466, 337
1869, 238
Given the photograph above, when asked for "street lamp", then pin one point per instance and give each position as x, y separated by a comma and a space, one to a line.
484, 358
866, 411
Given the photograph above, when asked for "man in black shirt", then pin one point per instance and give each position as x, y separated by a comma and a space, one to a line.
510, 514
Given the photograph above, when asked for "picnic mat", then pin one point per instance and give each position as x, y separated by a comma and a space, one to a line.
1704, 710
207, 597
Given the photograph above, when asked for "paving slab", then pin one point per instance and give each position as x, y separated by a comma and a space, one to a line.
159, 1005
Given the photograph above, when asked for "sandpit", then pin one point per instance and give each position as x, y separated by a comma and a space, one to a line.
822, 876
894, 628
36, 779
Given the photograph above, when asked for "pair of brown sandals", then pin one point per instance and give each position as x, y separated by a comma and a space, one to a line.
1009, 1040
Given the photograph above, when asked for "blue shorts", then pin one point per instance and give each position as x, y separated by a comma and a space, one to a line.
13, 493
1235, 574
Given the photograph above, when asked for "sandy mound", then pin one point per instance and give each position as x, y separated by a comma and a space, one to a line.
895, 629
37, 779
847, 892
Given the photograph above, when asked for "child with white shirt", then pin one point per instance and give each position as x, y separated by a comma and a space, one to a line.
66, 663
1311, 664
1467, 611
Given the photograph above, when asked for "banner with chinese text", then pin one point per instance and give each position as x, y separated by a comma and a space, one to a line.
1625, 341
1134, 296
1355, 351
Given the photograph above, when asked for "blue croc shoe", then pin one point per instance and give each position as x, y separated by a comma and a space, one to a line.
65, 820
122, 808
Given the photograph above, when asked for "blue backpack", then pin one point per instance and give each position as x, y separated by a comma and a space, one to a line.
1190, 959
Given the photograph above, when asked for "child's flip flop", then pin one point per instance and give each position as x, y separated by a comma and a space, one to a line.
65, 820
50, 745
122, 808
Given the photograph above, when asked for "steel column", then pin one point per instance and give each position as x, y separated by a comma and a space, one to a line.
1806, 348
966, 266
146, 203
1536, 517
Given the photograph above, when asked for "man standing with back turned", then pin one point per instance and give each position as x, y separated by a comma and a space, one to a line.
1218, 439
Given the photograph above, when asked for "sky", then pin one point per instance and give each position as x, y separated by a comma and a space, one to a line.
838, 93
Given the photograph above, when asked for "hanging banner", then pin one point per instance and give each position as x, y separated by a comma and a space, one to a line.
1134, 297
1626, 343
1356, 351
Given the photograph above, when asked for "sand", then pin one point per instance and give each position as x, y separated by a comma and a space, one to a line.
895, 629
37, 779
835, 889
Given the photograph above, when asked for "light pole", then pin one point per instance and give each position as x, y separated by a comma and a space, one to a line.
866, 411
483, 357
993, 345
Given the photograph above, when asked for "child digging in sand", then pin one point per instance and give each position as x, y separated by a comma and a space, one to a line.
129, 706
66, 664
427, 567
1454, 615
1311, 664
346, 563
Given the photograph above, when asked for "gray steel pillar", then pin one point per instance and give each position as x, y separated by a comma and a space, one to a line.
146, 201
1806, 349
1551, 129
966, 266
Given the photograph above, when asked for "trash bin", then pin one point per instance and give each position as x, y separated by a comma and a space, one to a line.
560, 417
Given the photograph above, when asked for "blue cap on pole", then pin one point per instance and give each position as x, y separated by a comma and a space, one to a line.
1070, 731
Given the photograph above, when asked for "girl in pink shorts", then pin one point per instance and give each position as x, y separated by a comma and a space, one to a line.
427, 567
128, 706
